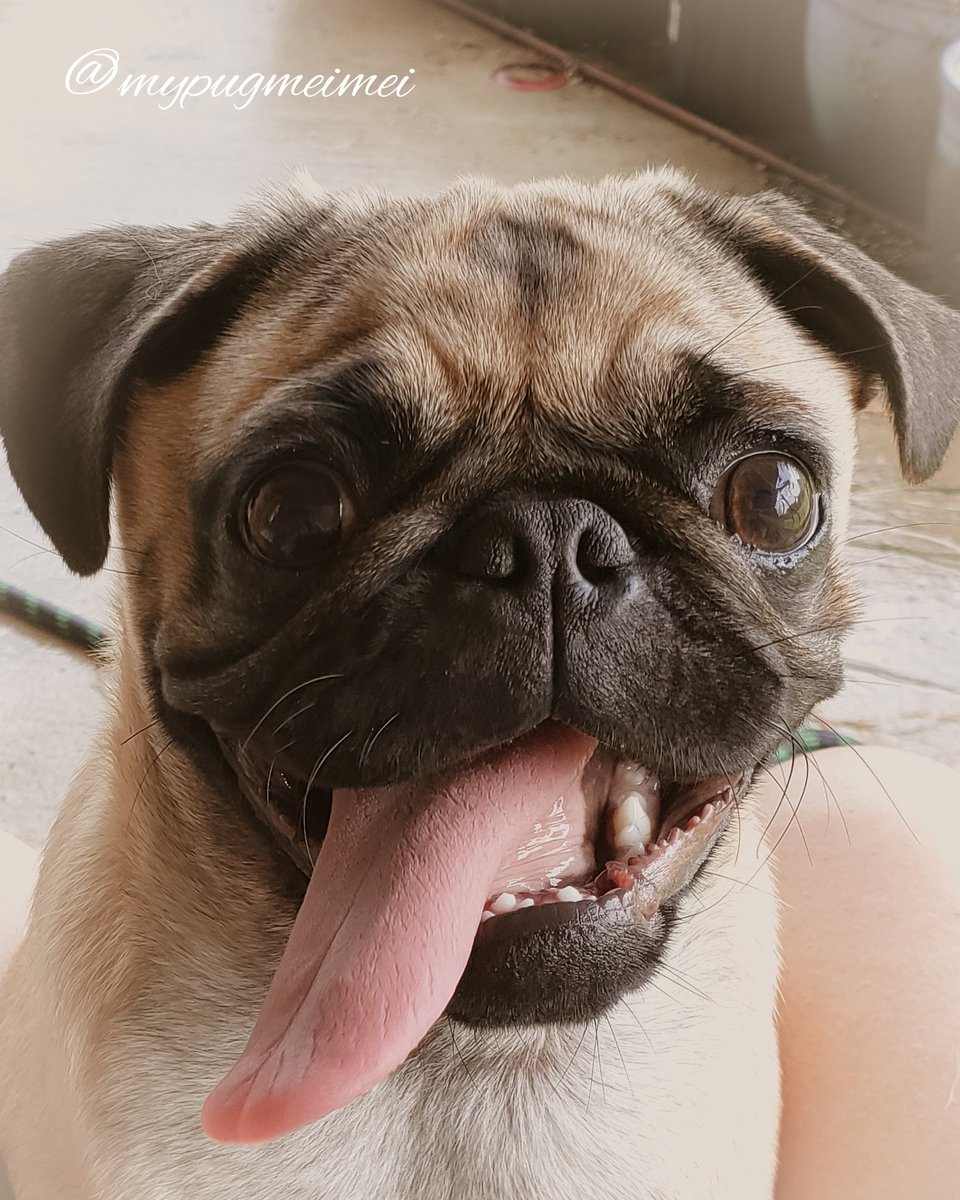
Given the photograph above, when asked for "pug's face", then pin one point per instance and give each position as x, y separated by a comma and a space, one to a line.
487, 544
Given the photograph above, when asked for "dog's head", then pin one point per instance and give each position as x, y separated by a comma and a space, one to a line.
490, 539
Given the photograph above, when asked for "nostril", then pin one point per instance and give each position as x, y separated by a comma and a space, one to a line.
603, 553
502, 560
522, 545
595, 574
490, 555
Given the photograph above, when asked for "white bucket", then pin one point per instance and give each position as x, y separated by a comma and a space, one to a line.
943, 210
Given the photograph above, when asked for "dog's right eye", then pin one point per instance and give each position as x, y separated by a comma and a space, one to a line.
295, 515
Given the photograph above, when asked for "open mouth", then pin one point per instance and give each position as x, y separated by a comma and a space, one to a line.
466, 894
619, 837
648, 840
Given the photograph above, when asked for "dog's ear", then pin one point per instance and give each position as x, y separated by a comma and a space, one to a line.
856, 308
82, 321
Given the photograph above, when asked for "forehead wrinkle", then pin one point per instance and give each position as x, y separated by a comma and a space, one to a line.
466, 303
455, 329
451, 396
635, 305
534, 253
484, 280
458, 307
469, 327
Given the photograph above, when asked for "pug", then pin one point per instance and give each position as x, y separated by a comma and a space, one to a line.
477, 551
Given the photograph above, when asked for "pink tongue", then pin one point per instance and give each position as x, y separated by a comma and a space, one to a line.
384, 934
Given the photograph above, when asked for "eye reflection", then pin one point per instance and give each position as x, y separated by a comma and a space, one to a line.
295, 515
769, 502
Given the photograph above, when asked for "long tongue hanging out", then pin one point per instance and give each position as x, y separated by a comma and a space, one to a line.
384, 934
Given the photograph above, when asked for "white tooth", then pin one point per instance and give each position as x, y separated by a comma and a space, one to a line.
632, 820
569, 893
528, 903
504, 903
485, 916
628, 811
630, 838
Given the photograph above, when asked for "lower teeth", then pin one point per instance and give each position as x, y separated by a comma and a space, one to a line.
569, 894
616, 875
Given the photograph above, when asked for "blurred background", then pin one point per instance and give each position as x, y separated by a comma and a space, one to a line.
865, 91
851, 105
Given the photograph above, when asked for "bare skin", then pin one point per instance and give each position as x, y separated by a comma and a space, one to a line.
870, 1018
870, 1013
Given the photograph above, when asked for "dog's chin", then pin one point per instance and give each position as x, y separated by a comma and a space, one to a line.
571, 924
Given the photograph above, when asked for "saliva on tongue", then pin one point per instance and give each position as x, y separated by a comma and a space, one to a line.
384, 933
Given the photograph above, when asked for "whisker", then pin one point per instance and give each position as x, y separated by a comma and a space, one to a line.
281, 378
794, 818
273, 763
593, 1059
828, 788
728, 775
623, 1063
781, 728
26, 558
150, 766
783, 794
286, 696
293, 716
596, 1030
149, 725
563, 1073
895, 528
629, 1008
463, 1061
369, 744
763, 308
745, 883
681, 980
843, 625
900, 680
752, 322
317, 768
29, 541
793, 362
850, 746
41, 549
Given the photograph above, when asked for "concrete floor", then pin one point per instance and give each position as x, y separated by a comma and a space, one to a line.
77, 161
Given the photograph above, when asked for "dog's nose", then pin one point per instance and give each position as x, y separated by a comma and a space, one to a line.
530, 545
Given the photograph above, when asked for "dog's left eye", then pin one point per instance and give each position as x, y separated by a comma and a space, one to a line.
769, 501
295, 515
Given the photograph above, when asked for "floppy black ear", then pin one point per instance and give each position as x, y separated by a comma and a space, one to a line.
81, 321
856, 308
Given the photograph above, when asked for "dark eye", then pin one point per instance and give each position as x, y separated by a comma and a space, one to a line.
295, 515
769, 502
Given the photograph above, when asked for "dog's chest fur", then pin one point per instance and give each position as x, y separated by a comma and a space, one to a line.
674, 1097
525, 1117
